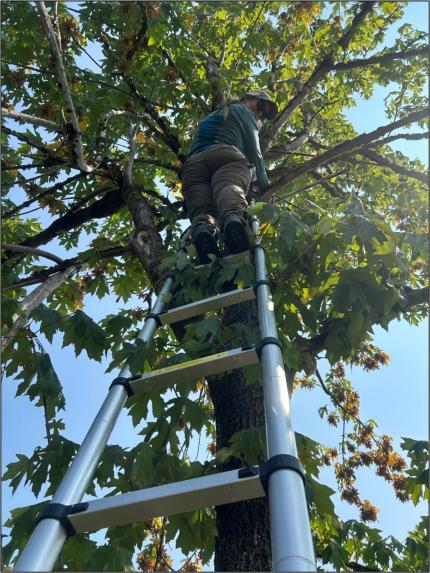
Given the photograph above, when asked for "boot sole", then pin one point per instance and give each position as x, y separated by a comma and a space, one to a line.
206, 244
236, 237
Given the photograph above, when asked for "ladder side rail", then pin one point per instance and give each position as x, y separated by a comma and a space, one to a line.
292, 545
49, 536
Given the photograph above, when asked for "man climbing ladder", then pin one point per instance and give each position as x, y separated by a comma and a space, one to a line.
216, 175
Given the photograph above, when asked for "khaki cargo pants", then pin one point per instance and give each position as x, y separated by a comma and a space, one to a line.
214, 184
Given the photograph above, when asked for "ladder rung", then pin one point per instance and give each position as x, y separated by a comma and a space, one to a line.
207, 304
230, 258
178, 497
199, 368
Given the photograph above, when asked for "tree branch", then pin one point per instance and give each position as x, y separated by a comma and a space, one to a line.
104, 207
33, 300
410, 136
48, 191
42, 148
317, 75
380, 59
204, 106
128, 169
279, 151
166, 135
74, 129
347, 147
384, 162
31, 251
319, 181
25, 118
332, 188
40, 276
157, 164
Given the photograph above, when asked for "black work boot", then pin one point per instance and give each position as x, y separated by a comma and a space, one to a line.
235, 234
206, 243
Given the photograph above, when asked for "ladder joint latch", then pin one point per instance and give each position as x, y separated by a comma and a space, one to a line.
280, 462
264, 341
261, 282
61, 513
125, 383
156, 317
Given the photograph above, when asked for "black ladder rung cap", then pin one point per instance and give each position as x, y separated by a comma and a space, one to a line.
125, 382
60, 512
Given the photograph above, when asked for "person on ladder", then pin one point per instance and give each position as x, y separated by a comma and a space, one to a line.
216, 174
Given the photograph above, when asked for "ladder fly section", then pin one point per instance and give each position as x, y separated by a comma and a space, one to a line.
281, 477
199, 368
170, 499
213, 303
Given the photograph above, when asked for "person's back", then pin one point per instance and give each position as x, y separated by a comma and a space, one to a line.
216, 175
234, 124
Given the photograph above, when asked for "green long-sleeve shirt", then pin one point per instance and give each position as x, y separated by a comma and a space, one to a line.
238, 128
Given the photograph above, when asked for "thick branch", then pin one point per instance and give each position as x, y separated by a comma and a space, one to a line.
140, 35
40, 276
33, 300
409, 136
318, 74
279, 151
381, 59
25, 118
384, 162
345, 148
104, 207
61, 73
31, 251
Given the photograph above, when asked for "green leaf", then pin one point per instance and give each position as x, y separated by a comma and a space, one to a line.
143, 469
51, 321
84, 334
22, 520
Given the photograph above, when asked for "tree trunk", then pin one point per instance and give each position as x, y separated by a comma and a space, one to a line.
146, 241
243, 542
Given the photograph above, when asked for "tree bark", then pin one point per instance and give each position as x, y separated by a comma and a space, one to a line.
243, 542
146, 242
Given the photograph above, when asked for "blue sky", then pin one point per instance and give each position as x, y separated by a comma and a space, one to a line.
396, 396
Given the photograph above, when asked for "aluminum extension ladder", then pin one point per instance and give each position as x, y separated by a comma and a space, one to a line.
281, 477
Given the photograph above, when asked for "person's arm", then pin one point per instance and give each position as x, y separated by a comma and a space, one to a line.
252, 144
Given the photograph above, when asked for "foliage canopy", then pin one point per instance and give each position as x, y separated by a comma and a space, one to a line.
96, 151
